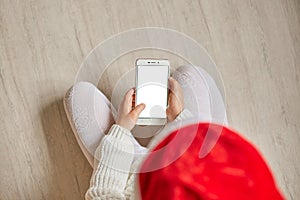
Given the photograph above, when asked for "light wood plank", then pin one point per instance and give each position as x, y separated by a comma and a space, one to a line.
256, 45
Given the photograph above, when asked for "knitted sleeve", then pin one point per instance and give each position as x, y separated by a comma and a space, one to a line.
113, 159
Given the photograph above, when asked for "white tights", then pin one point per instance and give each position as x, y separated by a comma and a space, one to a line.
90, 115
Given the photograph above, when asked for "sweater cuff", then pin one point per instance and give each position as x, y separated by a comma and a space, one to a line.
185, 114
113, 159
119, 133
116, 148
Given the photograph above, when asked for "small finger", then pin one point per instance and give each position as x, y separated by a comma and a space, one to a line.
127, 101
174, 86
129, 93
172, 83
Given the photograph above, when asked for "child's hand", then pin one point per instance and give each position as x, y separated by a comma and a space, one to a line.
127, 115
175, 100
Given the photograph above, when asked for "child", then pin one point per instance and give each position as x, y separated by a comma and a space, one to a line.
194, 157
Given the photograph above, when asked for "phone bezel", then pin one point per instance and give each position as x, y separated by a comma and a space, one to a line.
151, 62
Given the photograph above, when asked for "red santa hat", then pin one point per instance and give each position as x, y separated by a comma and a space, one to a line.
230, 167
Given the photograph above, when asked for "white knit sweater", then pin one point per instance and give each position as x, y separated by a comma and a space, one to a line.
115, 165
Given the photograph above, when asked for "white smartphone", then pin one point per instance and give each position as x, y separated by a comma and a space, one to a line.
152, 89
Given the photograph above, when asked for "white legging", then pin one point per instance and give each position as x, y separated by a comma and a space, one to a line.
90, 114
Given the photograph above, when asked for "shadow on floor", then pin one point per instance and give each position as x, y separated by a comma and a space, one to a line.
68, 170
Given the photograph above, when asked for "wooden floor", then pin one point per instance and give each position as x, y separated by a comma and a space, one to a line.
255, 43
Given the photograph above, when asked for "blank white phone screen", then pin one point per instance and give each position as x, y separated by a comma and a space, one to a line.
152, 90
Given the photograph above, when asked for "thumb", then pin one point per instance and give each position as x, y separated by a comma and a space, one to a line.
137, 111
